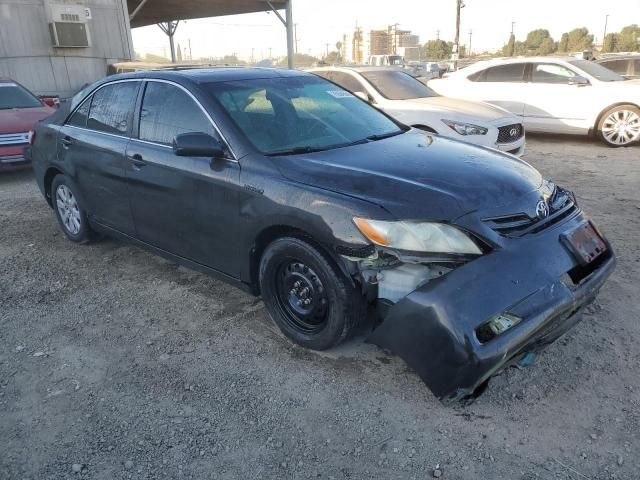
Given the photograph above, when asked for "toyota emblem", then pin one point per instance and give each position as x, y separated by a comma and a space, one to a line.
542, 209
513, 132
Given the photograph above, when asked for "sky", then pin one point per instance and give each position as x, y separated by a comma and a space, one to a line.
325, 21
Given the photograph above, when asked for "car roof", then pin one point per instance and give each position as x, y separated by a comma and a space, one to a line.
357, 68
209, 75
625, 56
481, 65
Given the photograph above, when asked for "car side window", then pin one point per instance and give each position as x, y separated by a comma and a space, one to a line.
79, 117
348, 82
168, 111
618, 66
512, 72
637, 67
551, 73
111, 108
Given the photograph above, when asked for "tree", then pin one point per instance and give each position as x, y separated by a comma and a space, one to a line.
539, 42
563, 44
509, 49
437, 50
629, 39
299, 60
579, 39
610, 43
333, 58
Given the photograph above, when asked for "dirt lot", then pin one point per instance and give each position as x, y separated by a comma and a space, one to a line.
117, 364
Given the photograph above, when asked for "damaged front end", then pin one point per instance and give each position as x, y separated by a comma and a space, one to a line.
459, 318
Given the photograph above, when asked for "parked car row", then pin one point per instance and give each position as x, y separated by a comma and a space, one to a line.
554, 95
460, 259
403, 97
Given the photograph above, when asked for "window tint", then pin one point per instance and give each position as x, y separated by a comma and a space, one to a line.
618, 66
512, 72
348, 82
551, 73
397, 85
79, 117
111, 107
168, 111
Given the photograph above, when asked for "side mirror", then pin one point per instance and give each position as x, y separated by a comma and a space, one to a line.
197, 145
579, 81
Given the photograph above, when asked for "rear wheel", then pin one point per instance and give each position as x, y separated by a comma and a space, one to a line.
620, 126
309, 299
69, 212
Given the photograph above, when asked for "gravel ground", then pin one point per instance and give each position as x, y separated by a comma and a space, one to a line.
116, 364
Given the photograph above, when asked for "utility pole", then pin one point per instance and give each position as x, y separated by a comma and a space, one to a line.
513, 45
327, 45
604, 37
469, 50
190, 52
437, 34
270, 56
295, 34
456, 43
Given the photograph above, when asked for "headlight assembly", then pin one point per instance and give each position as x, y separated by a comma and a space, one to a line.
427, 237
465, 128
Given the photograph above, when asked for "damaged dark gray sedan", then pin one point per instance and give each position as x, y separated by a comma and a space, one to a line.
459, 259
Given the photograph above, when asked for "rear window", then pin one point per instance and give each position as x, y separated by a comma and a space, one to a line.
14, 96
618, 66
111, 108
397, 85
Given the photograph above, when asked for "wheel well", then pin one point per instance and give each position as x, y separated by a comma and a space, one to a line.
48, 180
601, 114
424, 128
269, 235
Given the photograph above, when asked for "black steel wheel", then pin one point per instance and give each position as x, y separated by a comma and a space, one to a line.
311, 301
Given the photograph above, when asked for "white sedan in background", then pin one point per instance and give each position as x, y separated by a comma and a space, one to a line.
412, 103
554, 95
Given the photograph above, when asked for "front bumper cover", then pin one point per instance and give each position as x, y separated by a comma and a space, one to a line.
434, 328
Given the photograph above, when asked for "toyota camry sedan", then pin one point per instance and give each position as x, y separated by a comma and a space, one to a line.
458, 258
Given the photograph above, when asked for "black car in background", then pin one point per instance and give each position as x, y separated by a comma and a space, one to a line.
626, 65
458, 258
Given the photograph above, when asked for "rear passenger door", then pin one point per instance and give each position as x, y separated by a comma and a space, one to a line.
502, 85
187, 206
92, 146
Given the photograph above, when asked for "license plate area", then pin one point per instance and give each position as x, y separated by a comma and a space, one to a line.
584, 242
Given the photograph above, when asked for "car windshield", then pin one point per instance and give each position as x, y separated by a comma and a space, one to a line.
597, 71
15, 96
397, 85
300, 114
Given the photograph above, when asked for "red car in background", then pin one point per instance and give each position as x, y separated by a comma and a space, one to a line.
19, 111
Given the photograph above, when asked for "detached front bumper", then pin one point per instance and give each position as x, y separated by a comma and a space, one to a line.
434, 329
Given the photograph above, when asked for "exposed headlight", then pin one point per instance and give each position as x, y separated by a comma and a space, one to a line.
428, 237
465, 128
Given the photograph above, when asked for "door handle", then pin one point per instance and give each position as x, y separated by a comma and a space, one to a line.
137, 161
66, 142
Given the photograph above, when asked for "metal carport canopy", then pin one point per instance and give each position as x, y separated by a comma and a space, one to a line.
149, 12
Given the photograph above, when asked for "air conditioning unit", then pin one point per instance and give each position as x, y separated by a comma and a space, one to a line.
67, 25
69, 34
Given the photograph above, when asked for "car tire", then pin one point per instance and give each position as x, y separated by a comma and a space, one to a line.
69, 211
311, 301
620, 126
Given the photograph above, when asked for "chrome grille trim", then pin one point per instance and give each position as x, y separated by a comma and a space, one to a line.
21, 138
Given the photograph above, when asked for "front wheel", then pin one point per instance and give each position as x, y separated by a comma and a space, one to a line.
620, 126
310, 300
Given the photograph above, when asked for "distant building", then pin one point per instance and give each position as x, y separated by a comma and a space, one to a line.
54, 47
364, 43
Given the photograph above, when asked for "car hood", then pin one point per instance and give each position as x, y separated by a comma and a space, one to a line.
22, 119
469, 110
419, 176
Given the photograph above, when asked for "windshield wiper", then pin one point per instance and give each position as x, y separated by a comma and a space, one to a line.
295, 151
382, 136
